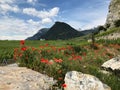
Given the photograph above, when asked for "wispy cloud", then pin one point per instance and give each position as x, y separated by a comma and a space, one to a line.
31, 1
13, 27
7, 1
89, 17
8, 5
94, 23
43, 14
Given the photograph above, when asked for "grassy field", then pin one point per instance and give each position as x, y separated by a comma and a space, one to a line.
49, 57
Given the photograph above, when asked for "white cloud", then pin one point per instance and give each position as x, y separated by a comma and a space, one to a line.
46, 20
14, 37
75, 24
8, 5
43, 14
94, 23
35, 23
53, 12
7, 1
31, 1
17, 28
4, 8
13, 28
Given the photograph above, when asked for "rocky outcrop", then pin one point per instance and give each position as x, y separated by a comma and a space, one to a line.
79, 81
114, 13
21, 78
112, 36
113, 65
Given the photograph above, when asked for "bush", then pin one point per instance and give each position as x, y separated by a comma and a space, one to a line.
101, 28
117, 23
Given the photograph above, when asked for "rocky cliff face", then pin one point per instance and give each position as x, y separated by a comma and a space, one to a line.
114, 13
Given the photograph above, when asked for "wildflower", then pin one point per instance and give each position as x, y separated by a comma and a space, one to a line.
48, 51
46, 44
64, 85
60, 78
58, 60
24, 48
44, 60
41, 47
77, 57
84, 54
50, 62
60, 71
15, 49
53, 48
22, 42
33, 48
20, 55
70, 59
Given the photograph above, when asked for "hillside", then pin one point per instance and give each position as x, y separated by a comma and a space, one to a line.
61, 30
38, 35
112, 33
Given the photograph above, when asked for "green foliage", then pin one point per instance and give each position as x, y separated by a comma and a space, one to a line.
117, 23
107, 42
107, 25
101, 28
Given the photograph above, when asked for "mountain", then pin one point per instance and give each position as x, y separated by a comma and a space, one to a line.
61, 30
89, 31
114, 13
38, 35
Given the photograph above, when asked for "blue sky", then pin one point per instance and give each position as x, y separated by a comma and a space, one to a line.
20, 19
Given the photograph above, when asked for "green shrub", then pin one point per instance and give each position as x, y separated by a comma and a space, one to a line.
117, 23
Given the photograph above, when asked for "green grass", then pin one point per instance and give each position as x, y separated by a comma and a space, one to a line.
91, 62
109, 31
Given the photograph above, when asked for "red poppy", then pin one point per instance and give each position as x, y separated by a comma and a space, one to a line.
50, 62
24, 48
60, 78
64, 85
58, 60
20, 55
22, 42
44, 60
41, 47
33, 48
46, 44
77, 57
